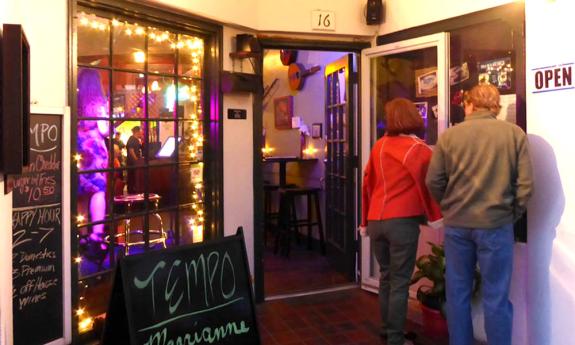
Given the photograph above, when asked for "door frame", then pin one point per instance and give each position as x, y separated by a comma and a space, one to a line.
439, 40
258, 186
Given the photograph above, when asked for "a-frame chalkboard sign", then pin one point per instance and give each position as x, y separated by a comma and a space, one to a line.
192, 295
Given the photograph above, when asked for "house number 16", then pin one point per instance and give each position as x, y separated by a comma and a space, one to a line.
323, 21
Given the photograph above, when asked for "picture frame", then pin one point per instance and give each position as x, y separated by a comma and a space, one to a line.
422, 109
316, 130
283, 112
498, 72
426, 82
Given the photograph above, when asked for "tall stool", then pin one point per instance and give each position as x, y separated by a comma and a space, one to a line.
271, 215
289, 219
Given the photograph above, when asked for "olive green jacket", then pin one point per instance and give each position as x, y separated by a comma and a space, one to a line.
480, 172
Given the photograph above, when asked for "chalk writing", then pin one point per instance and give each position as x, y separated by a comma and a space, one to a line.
209, 269
37, 236
205, 335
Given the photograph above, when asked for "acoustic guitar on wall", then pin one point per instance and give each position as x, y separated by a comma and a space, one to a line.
297, 73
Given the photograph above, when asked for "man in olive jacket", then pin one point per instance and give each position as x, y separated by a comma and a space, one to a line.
480, 173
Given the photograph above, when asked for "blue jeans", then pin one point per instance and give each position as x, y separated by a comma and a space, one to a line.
493, 249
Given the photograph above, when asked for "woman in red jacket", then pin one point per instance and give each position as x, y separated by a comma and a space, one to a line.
395, 203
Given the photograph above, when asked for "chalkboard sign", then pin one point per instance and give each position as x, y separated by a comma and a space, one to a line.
37, 236
196, 294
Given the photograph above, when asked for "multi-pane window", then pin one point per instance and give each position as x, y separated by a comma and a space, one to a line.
139, 148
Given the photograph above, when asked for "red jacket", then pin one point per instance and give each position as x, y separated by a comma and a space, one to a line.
394, 180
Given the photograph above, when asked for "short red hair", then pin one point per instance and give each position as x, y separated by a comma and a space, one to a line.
402, 117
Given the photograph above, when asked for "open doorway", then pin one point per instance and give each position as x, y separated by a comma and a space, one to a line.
308, 172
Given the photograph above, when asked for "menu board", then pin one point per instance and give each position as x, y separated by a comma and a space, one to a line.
196, 294
37, 236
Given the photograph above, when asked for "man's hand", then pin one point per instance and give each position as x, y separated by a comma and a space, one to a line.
362, 231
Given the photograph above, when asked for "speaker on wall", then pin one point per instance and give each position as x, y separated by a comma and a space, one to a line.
14, 99
374, 12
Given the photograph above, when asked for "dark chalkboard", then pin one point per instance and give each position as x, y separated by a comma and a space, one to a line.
196, 294
37, 236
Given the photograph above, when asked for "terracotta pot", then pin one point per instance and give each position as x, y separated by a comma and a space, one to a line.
434, 325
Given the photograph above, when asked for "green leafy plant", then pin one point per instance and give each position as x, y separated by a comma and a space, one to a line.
432, 267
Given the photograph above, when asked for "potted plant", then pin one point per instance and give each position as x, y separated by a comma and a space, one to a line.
432, 297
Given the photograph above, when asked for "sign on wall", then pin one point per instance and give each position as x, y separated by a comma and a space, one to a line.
323, 21
37, 236
196, 294
553, 78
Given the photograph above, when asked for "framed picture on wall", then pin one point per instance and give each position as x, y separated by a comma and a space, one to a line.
426, 82
316, 130
421, 108
283, 112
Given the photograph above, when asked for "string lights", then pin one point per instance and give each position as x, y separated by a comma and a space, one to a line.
190, 51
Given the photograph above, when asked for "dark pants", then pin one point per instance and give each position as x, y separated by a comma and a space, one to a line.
394, 244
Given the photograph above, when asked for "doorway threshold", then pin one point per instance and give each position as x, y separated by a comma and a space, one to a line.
312, 292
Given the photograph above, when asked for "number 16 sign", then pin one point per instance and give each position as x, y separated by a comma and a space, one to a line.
323, 20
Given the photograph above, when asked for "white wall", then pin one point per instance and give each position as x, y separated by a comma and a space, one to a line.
46, 27
5, 239
551, 263
286, 16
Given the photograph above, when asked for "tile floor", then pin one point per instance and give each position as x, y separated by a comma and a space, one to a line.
343, 317
303, 270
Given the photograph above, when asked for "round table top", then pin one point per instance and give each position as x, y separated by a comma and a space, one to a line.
127, 198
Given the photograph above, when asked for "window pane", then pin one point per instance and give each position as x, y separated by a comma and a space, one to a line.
162, 97
191, 185
161, 52
160, 224
93, 198
93, 40
162, 186
93, 93
92, 145
93, 248
191, 146
190, 96
162, 143
128, 46
191, 56
411, 75
129, 95
191, 225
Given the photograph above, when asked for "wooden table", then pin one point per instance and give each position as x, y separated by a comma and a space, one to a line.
283, 160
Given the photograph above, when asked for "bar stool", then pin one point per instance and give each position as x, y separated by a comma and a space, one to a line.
289, 219
133, 236
271, 215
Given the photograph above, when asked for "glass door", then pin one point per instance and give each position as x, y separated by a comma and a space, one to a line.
340, 171
416, 69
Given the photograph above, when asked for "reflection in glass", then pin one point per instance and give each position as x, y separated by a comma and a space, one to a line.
191, 56
93, 40
128, 46
161, 52
129, 99
411, 75
161, 97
